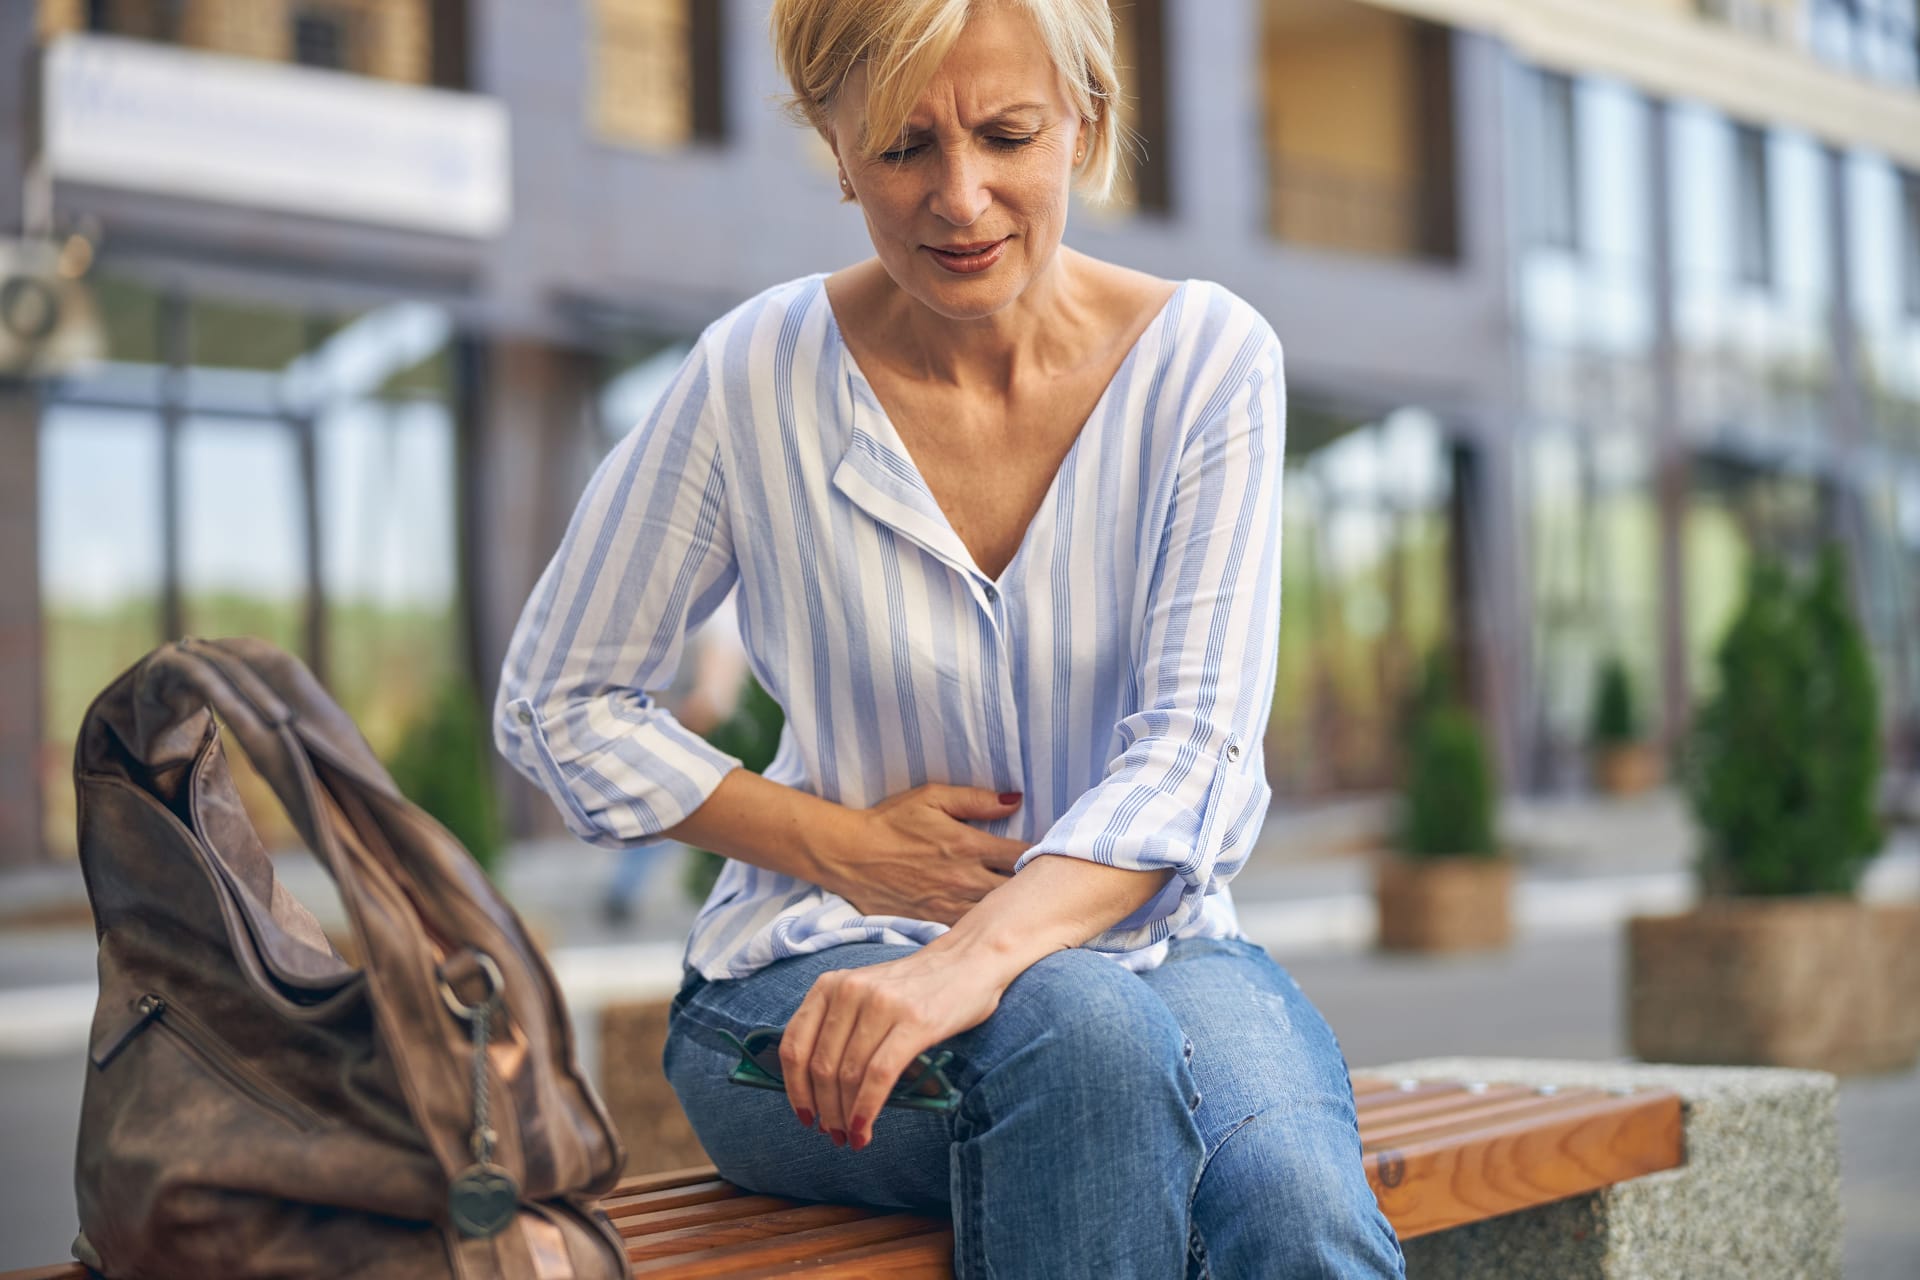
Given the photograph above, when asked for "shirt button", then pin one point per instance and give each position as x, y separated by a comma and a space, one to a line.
525, 716
991, 593
1233, 751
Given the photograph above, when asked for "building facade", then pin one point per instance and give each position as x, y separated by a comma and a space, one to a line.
1585, 303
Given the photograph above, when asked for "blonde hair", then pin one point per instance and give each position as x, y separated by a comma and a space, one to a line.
903, 42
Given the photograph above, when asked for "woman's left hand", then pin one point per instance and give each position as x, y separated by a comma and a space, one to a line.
858, 1029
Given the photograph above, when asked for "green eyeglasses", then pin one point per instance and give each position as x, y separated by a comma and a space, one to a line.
923, 1085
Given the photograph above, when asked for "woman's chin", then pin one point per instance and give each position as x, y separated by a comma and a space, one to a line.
970, 296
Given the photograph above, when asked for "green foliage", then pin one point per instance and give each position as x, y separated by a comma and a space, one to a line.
1614, 721
1434, 691
442, 765
1783, 763
1448, 804
751, 733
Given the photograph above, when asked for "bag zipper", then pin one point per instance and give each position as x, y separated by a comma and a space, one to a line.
213, 1053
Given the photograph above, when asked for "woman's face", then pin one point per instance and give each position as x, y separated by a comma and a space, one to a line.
967, 207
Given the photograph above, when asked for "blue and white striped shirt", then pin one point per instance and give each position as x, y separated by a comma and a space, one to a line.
1119, 672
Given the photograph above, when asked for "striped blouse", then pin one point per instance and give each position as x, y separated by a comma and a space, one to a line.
1118, 672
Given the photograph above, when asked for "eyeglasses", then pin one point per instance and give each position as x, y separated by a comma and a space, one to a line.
924, 1085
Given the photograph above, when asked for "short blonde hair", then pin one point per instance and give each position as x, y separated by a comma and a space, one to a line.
903, 42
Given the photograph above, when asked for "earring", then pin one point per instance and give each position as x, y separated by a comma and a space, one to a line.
845, 185
1079, 155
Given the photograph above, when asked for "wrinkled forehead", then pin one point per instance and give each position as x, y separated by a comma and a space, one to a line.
998, 69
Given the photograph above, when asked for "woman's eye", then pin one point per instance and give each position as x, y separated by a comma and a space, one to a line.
900, 154
1012, 143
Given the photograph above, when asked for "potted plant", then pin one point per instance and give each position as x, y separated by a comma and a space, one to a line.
1780, 963
1623, 763
1447, 885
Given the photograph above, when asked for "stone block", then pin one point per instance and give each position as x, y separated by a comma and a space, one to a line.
1759, 1194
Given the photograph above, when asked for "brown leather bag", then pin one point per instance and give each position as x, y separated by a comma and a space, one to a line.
255, 1104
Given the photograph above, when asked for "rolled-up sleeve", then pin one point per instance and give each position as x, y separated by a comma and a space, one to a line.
1186, 786
647, 557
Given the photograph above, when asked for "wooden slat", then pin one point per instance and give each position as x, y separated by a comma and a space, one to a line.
706, 1192
58, 1271
1412, 1107
927, 1256
1507, 1163
709, 1213
641, 1183
1463, 1116
819, 1244
669, 1242
1397, 1097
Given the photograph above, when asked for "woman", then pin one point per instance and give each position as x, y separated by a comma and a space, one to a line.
1005, 522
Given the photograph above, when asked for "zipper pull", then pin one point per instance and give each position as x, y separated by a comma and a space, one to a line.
149, 1007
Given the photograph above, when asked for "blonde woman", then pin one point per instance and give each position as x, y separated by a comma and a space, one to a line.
1005, 524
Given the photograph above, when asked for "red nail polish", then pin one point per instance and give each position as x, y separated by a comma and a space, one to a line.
839, 1137
1009, 797
806, 1117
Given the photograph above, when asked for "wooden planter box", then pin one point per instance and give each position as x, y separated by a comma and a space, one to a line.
1444, 904
644, 1107
1824, 982
1626, 769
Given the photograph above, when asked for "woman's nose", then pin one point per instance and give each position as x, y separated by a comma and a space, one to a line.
961, 196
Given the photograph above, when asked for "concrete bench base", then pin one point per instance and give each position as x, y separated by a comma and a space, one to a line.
1759, 1194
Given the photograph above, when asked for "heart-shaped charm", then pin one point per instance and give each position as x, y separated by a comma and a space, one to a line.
483, 1200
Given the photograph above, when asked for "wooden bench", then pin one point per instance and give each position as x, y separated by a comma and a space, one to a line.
1439, 1154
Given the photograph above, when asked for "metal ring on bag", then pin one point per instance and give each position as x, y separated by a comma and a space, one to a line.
495, 985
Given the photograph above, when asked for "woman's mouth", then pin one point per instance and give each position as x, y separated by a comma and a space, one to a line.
966, 259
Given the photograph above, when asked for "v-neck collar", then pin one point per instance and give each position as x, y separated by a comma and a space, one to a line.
878, 474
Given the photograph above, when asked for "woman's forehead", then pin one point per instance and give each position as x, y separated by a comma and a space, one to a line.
999, 66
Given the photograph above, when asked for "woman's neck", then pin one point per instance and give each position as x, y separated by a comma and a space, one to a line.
1031, 337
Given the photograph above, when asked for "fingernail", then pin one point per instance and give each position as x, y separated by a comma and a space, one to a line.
806, 1118
860, 1141
1009, 797
839, 1137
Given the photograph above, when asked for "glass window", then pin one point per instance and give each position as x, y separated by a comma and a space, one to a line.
1365, 592
1357, 113
1753, 227
101, 569
656, 72
387, 492
320, 39
1140, 51
242, 535
1910, 239
1556, 166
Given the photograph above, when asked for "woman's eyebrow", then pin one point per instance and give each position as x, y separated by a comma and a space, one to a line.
996, 117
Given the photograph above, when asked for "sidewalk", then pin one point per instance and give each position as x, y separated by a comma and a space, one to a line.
1585, 866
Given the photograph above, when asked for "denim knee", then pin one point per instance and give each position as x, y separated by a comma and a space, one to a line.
1282, 1196
1084, 1025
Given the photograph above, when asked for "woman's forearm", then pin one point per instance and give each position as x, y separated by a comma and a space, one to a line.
1054, 903
771, 825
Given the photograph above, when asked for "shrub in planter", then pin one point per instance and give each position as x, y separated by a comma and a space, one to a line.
751, 733
1447, 887
1780, 964
1622, 762
443, 764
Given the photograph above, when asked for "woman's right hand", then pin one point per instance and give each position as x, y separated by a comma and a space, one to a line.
918, 857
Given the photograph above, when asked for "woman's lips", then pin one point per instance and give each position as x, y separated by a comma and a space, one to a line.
964, 264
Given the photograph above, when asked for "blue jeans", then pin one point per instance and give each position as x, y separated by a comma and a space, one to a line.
1193, 1120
